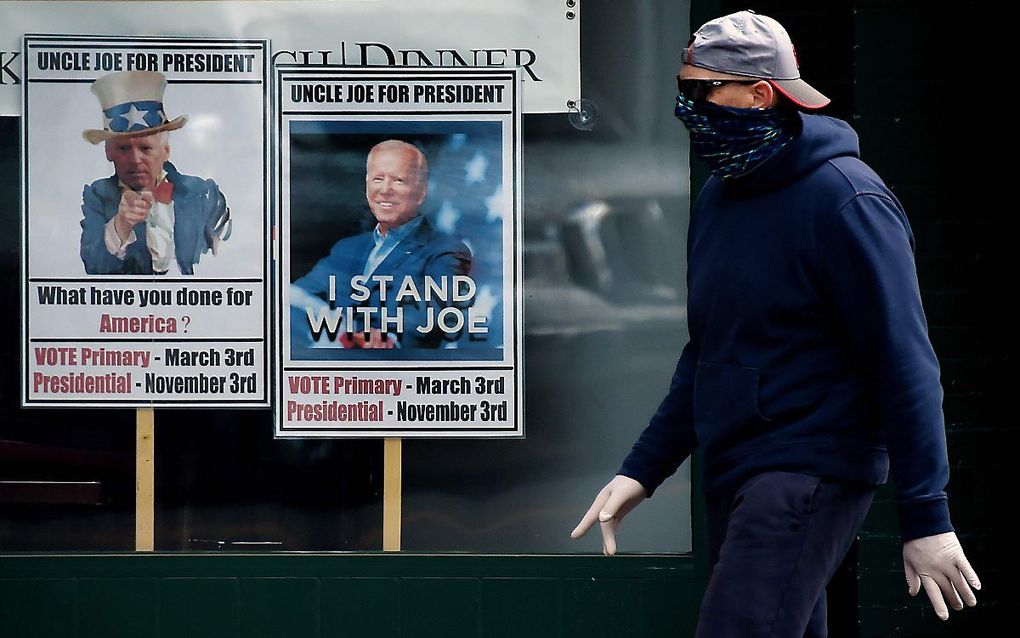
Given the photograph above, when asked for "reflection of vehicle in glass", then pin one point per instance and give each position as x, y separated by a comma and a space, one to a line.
603, 285
606, 265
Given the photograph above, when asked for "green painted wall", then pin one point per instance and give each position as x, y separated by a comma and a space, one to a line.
331, 595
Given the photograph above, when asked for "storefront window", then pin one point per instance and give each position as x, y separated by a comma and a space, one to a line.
605, 218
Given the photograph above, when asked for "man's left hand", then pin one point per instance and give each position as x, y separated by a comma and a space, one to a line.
939, 564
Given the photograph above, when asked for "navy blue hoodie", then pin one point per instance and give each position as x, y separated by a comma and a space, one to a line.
809, 347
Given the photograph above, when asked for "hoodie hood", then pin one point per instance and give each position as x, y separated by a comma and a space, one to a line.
819, 139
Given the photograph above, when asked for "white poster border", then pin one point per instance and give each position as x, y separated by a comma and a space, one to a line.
262, 398
512, 361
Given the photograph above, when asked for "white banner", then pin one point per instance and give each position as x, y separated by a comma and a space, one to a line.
541, 37
145, 248
399, 277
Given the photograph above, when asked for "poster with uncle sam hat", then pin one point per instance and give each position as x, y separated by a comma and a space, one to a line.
145, 222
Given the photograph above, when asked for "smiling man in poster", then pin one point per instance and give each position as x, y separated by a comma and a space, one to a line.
401, 284
147, 218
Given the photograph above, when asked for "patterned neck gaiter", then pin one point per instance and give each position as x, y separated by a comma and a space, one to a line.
733, 141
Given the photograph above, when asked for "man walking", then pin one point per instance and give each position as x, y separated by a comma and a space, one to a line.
809, 371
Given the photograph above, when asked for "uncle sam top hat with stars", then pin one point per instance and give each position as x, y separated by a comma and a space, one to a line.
132, 103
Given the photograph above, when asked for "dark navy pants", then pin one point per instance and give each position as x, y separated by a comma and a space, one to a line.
774, 545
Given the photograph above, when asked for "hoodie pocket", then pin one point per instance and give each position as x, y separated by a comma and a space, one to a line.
726, 405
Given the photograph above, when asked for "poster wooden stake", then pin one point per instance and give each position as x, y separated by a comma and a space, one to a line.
145, 505
392, 458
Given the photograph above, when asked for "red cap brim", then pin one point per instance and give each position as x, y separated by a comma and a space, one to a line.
801, 93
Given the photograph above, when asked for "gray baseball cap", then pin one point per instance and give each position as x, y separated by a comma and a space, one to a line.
746, 43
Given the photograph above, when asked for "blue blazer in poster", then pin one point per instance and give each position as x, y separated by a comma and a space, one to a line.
439, 294
200, 212
423, 259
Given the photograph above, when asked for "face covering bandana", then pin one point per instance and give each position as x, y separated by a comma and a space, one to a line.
733, 141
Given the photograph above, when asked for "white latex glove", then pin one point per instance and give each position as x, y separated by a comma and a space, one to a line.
938, 563
615, 501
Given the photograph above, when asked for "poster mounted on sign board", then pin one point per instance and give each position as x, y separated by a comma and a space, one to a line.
399, 278
145, 216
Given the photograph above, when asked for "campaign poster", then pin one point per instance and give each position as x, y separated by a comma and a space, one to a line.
399, 230
145, 222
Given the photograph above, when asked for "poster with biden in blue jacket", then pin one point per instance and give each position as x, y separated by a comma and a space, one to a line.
400, 253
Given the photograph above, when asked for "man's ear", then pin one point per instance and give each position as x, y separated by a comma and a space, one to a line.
768, 93
106, 147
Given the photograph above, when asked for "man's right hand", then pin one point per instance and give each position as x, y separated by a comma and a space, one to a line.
134, 208
615, 501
